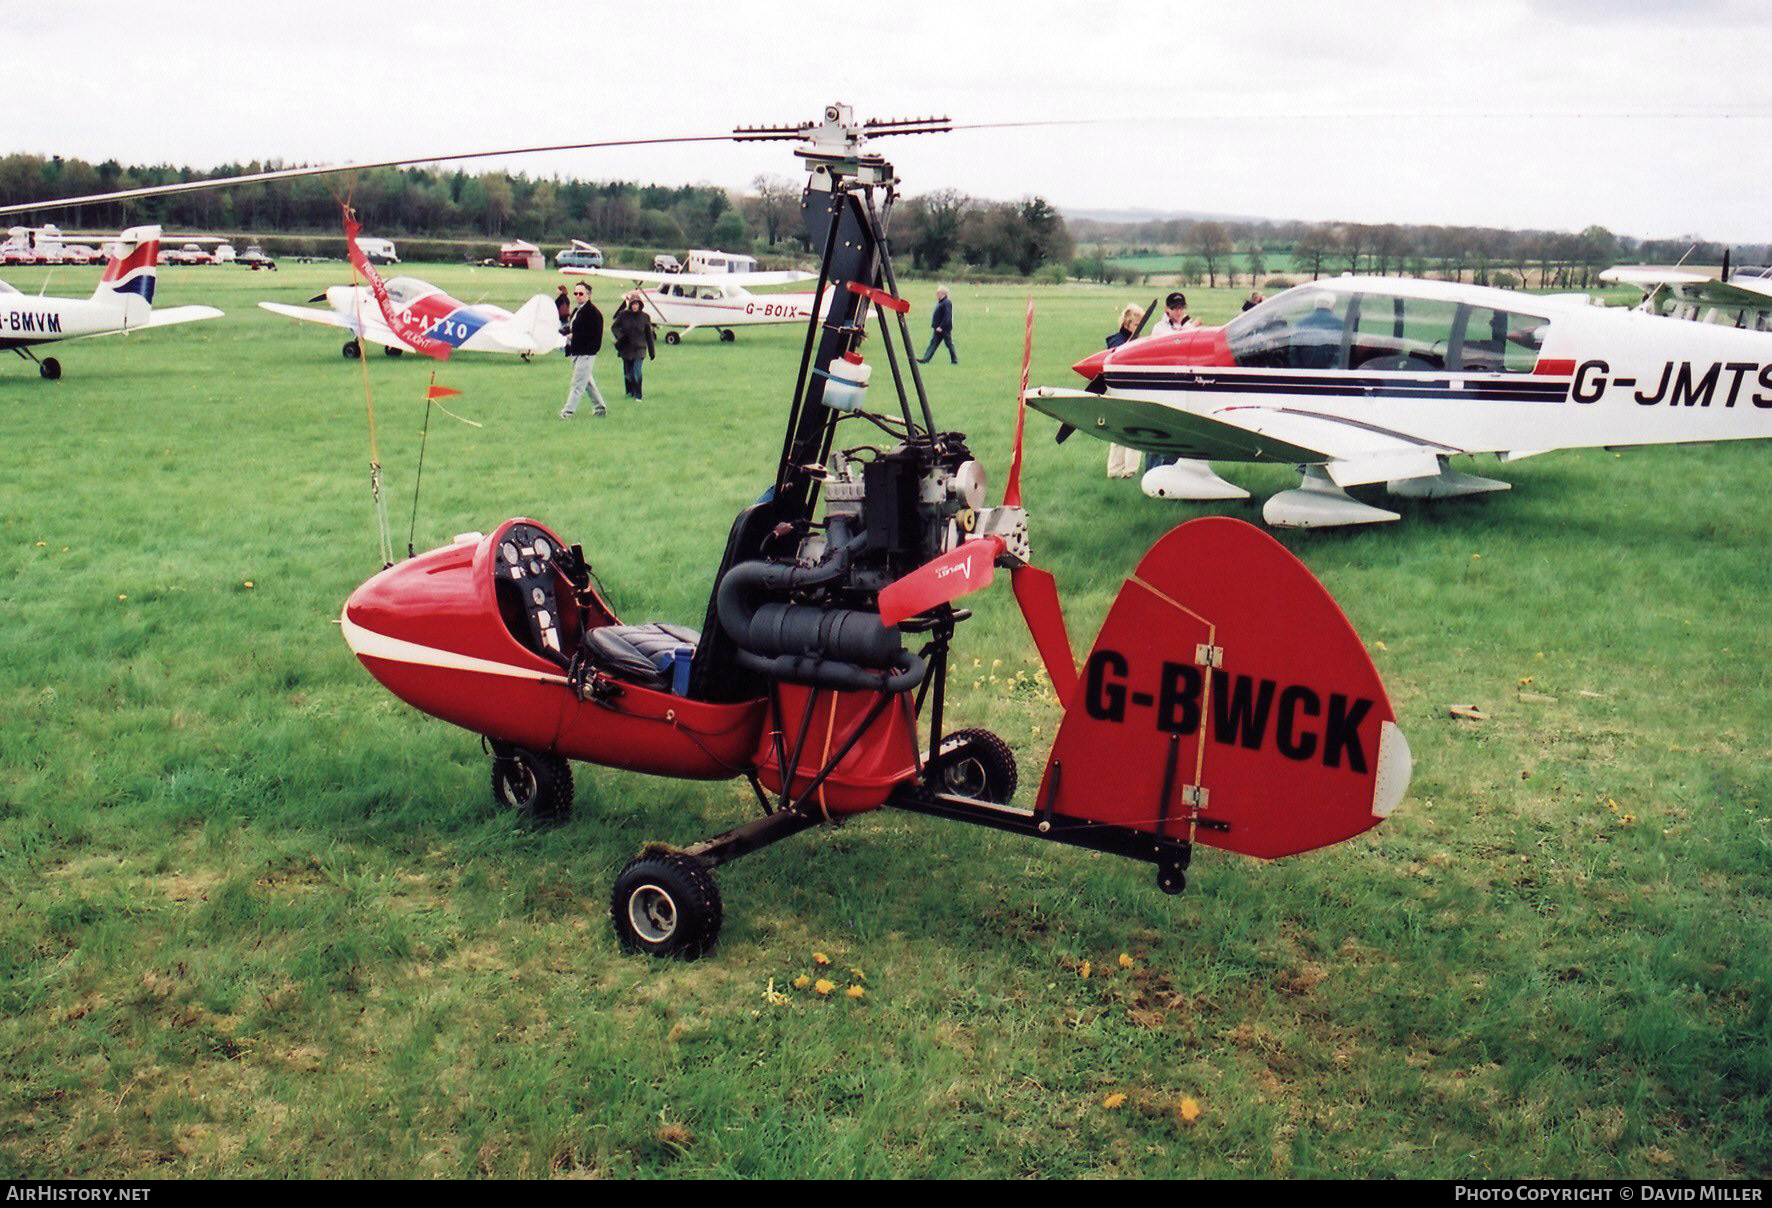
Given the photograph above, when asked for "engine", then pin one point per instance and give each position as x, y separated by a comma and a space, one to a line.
813, 618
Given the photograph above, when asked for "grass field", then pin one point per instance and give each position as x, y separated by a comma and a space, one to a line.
263, 920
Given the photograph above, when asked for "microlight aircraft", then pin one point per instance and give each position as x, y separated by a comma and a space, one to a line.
721, 301
122, 303
1362, 380
431, 317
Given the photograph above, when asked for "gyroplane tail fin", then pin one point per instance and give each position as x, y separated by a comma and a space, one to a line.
1228, 701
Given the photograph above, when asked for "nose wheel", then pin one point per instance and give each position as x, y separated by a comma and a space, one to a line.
50, 368
534, 785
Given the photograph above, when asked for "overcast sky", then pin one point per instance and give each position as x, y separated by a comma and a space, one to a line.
1651, 117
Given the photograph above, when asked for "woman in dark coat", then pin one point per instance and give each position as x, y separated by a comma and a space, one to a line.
633, 341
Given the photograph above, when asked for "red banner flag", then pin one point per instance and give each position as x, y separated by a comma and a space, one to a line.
398, 319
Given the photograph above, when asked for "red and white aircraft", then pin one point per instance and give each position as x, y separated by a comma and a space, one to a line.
122, 303
721, 301
1361, 380
455, 325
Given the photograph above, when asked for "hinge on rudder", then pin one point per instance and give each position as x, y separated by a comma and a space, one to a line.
1207, 655
1198, 798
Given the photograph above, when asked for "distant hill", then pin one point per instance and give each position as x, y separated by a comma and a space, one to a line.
1147, 215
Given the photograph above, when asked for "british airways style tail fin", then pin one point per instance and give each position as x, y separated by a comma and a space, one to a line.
130, 274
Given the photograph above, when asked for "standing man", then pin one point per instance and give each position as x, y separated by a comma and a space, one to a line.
1175, 316
584, 340
941, 327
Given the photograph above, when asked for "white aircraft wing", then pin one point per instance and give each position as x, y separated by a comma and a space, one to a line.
1648, 276
160, 318
181, 314
1350, 451
373, 330
640, 277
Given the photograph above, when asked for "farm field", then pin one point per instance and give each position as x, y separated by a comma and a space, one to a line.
264, 920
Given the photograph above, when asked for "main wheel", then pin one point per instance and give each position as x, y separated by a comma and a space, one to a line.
50, 368
977, 764
352, 350
672, 337
390, 350
667, 905
725, 335
533, 784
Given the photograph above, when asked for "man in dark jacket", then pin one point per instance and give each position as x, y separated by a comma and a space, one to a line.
632, 329
941, 327
584, 340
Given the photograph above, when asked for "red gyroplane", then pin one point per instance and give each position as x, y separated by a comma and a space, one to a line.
1226, 700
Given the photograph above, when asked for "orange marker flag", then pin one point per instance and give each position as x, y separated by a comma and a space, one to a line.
436, 392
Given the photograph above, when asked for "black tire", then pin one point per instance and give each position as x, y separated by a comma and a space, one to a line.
725, 336
50, 368
976, 764
672, 337
535, 785
390, 350
666, 904
352, 350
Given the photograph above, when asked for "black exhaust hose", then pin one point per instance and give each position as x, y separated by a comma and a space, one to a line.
827, 647
907, 672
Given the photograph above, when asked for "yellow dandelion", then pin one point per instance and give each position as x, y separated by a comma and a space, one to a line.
1114, 1100
1476, 557
819, 958
854, 992
824, 986
1190, 1110
1084, 971
996, 663
857, 974
43, 545
1379, 646
1125, 961
122, 597
802, 981
247, 584
1627, 819
1524, 680
1612, 805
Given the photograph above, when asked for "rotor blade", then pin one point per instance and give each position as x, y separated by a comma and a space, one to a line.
961, 570
1036, 591
193, 186
1148, 312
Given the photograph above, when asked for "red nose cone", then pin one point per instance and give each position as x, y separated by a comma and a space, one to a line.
1090, 366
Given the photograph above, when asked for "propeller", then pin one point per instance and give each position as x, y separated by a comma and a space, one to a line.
972, 564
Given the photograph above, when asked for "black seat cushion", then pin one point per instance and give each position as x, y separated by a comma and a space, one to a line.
639, 653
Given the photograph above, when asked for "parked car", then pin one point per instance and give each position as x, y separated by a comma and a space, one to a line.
254, 258
579, 257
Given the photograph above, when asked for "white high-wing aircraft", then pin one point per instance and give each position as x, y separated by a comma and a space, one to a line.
122, 303
1361, 380
1739, 299
463, 326
717, 300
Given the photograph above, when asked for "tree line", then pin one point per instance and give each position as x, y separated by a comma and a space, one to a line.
1212, 249
944, 231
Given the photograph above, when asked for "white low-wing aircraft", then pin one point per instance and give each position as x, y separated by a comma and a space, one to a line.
721, 301
462, 326
122, 303
1362, 380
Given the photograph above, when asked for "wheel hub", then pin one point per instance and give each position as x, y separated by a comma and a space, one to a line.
652, 914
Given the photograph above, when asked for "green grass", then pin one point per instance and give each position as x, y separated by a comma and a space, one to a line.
263, 920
